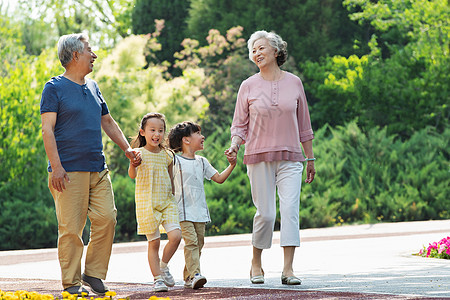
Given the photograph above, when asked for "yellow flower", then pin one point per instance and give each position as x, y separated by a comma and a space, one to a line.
65, 294
110, 293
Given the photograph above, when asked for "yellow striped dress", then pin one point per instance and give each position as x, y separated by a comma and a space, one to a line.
155, 203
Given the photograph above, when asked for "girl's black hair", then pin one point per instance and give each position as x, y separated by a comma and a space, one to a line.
179, 131
139, 140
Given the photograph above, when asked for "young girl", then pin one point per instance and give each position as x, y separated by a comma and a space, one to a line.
190, 170
155, 204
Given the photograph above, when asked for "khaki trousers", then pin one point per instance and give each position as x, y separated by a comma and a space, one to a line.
194, 238
88, 194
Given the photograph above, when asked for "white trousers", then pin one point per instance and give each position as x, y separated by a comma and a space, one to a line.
265, 179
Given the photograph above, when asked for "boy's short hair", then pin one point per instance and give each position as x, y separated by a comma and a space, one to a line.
179, 131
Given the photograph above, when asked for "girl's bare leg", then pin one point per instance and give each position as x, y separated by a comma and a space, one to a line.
171, 247
153, 257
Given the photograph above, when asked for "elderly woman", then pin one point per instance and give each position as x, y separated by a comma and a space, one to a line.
272, 119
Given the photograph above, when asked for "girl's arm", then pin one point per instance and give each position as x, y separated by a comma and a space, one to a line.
134, 163
220, 178
132, 171
170, 169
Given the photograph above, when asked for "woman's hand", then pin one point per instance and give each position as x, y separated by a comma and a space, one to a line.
232, 158
232, 151
236, 141
310, 171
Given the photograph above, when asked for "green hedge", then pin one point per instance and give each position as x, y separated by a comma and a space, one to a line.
361, 178
366, 178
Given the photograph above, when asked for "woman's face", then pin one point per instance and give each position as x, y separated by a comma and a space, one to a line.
263, 54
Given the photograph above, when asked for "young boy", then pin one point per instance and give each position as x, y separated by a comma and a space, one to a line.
189, 171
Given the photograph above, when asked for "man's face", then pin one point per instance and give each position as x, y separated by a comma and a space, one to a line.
86, 58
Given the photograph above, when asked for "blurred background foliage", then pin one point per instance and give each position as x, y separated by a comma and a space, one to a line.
376, 74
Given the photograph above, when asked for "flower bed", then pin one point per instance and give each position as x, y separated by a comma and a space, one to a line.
22, 295
439, 249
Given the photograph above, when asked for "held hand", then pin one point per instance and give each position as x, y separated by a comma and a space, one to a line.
59, 175
232, 158
137, 160
134, 156
232, 151
130, 153
310, 172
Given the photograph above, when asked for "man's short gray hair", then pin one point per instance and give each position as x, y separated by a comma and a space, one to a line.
274, 40
68, 44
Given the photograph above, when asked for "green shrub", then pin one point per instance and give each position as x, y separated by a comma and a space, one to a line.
375, 177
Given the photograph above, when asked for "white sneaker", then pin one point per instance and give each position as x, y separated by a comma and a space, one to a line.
159, 286
167, 277
198, 281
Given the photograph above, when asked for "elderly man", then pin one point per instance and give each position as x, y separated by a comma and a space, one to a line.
73, 112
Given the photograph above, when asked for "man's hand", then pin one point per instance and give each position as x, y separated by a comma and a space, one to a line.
59, 175
134, 156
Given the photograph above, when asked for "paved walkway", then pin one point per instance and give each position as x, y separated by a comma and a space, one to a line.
370, 259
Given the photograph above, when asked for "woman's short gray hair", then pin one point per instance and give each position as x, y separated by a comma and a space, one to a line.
274, 40
68, 44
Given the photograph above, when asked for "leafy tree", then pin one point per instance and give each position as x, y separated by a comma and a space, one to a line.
27, 217
173, 13
409, 85
403, 86
311, 28
225, 63
11, 48
330, 88
44, 21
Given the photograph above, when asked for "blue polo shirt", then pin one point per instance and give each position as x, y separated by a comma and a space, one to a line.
78, 130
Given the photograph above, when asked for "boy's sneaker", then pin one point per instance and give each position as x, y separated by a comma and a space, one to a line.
159, 286
167, 277
195, 283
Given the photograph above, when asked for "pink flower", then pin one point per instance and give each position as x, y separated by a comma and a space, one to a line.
439, 249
